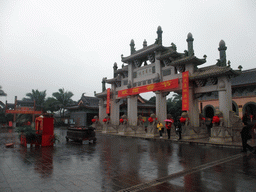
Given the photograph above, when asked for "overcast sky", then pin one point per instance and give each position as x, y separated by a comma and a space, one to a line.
47, 45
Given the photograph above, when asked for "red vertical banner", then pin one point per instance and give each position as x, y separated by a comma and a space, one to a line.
108, 101
185, 91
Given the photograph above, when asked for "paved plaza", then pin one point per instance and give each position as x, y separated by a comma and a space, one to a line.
118, 163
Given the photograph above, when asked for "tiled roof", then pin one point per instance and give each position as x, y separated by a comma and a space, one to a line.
86, 102
113, 80
10, 105
169, 53
213, 71
246, 77
188, 59
124, 69
143, 52
89, 101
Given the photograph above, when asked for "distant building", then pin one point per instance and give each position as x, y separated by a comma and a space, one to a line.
243, 96
83, 111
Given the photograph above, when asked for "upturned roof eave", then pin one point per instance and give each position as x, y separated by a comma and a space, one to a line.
113, 80
169, 53
143, 52
101, 95
227, 71
188, 59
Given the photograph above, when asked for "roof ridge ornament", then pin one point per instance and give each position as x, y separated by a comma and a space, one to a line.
190, 40
222, 49
132, 45
173, 46
145, 43
159, 36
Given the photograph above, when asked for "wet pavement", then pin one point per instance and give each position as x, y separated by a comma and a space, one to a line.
117, 163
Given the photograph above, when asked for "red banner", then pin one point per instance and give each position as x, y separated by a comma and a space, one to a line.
170, 84
185, 91
18, 111
108, 100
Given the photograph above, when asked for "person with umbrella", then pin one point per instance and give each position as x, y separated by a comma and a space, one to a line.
168, 126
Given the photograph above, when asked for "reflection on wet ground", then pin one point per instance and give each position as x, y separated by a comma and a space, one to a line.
117, 163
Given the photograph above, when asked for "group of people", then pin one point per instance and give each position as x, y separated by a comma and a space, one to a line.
247, 133
168, 126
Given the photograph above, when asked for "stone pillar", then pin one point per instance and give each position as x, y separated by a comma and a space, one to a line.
132, 110
161, 108
190, 40
225, 98
222, 49
102, 110
193, 109
114, 111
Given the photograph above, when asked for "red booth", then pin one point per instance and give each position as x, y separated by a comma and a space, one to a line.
44, 127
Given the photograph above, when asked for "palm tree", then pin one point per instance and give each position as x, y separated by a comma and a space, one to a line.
2, 93
63, 99
38, 96
51, 104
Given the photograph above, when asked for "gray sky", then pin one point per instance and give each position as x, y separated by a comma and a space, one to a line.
47, 45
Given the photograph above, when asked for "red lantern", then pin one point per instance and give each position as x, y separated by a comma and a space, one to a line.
215, 119
93, 120
105, 120
150, 119
182, 120
121, 120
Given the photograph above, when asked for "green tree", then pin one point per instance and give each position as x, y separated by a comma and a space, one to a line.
51, 105
63, 99
2, 93
38, 96
152, 99
174, 105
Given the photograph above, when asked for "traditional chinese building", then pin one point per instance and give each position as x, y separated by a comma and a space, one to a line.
87, 107
162, 70
83, 111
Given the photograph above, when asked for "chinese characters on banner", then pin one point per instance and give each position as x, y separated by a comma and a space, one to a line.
170, 84
23, 110
108, 100
185, 91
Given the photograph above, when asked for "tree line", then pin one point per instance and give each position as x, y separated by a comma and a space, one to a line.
57, 102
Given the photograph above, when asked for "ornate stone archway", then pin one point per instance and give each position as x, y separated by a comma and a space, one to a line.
156, 64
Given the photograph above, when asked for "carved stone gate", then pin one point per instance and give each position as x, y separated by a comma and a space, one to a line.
155, 64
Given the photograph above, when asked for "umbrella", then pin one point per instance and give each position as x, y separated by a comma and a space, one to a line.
168, 120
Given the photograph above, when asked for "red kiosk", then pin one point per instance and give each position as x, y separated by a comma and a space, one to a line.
44, 127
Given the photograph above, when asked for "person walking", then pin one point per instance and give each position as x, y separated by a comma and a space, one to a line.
160, 127
245, 118
168, 126
246, 134
178, 129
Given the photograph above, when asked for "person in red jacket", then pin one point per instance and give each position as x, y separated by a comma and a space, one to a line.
168, 126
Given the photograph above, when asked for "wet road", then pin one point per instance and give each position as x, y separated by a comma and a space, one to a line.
117, 163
